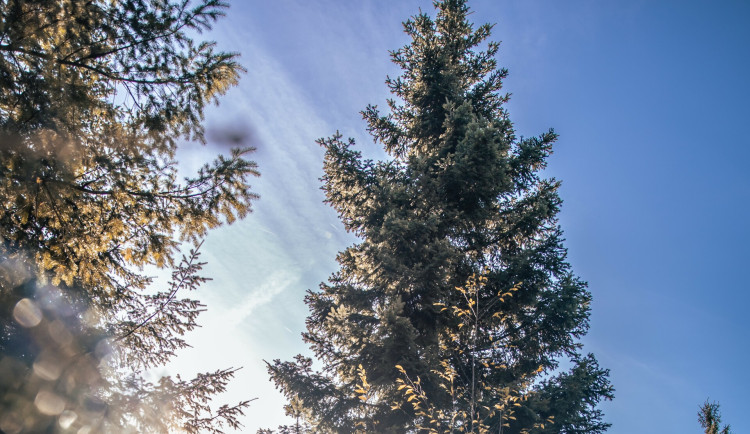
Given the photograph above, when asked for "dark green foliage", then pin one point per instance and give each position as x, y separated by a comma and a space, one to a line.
572, 397
94, 96
461, 196
709, 417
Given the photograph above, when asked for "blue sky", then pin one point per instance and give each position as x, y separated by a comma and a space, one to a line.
651, 103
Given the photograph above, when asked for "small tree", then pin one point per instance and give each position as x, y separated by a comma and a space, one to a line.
461, 196
709, 417
292, 409
94, 96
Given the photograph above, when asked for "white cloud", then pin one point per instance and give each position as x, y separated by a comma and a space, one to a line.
279, 281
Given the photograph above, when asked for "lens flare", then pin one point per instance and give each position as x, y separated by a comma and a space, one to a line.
27, 313
49, 403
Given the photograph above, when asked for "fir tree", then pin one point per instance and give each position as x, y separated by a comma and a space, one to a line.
94, 96
461, 196
709, 417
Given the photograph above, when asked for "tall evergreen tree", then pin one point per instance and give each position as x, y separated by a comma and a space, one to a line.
709, 417
461, 196
94, 95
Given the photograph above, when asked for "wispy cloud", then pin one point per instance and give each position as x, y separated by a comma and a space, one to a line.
262, 265
277, 282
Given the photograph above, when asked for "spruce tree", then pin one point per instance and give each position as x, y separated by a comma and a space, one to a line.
94, 96
709, 417
457, 304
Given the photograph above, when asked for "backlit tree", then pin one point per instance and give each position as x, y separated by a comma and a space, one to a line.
460, 196
94, 96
